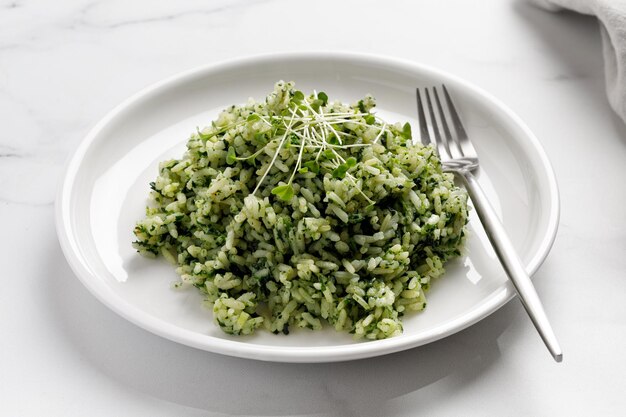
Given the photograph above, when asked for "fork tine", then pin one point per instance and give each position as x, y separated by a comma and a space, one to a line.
424, 134
450, 141
439, 142
467, 149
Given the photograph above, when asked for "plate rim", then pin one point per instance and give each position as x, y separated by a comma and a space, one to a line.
293, 354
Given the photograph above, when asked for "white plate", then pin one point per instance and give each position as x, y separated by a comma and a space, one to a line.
106, 184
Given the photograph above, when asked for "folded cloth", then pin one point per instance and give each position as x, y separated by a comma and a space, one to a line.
612, 17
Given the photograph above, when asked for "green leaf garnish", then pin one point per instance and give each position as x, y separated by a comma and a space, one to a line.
340, 171
350, 162
370, 119
253, 117
406, 131
231, 156
312, 166
322, 96
284, 192
261, 138
316, 104
298, 96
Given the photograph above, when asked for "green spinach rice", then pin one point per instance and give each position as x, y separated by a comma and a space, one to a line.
296, 211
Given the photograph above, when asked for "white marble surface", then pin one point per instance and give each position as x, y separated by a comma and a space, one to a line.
62, 353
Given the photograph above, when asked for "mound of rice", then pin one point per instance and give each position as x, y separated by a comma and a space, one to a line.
296, 211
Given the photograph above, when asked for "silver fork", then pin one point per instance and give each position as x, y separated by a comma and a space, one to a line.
459, 156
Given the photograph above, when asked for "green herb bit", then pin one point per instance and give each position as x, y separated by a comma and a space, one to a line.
355, 218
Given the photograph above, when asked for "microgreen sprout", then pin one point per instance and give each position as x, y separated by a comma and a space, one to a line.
322, 96
313, 166
406, 131
231, 156
307, 124
284, 192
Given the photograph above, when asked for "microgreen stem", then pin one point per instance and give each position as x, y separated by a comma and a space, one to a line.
382, 130
299, 162
280, 146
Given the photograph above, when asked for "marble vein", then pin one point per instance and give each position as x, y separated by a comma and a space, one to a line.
12, 5
85, 19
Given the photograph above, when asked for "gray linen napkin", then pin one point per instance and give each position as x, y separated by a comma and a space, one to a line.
612, 17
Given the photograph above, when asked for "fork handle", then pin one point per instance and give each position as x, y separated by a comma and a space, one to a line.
511, 263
